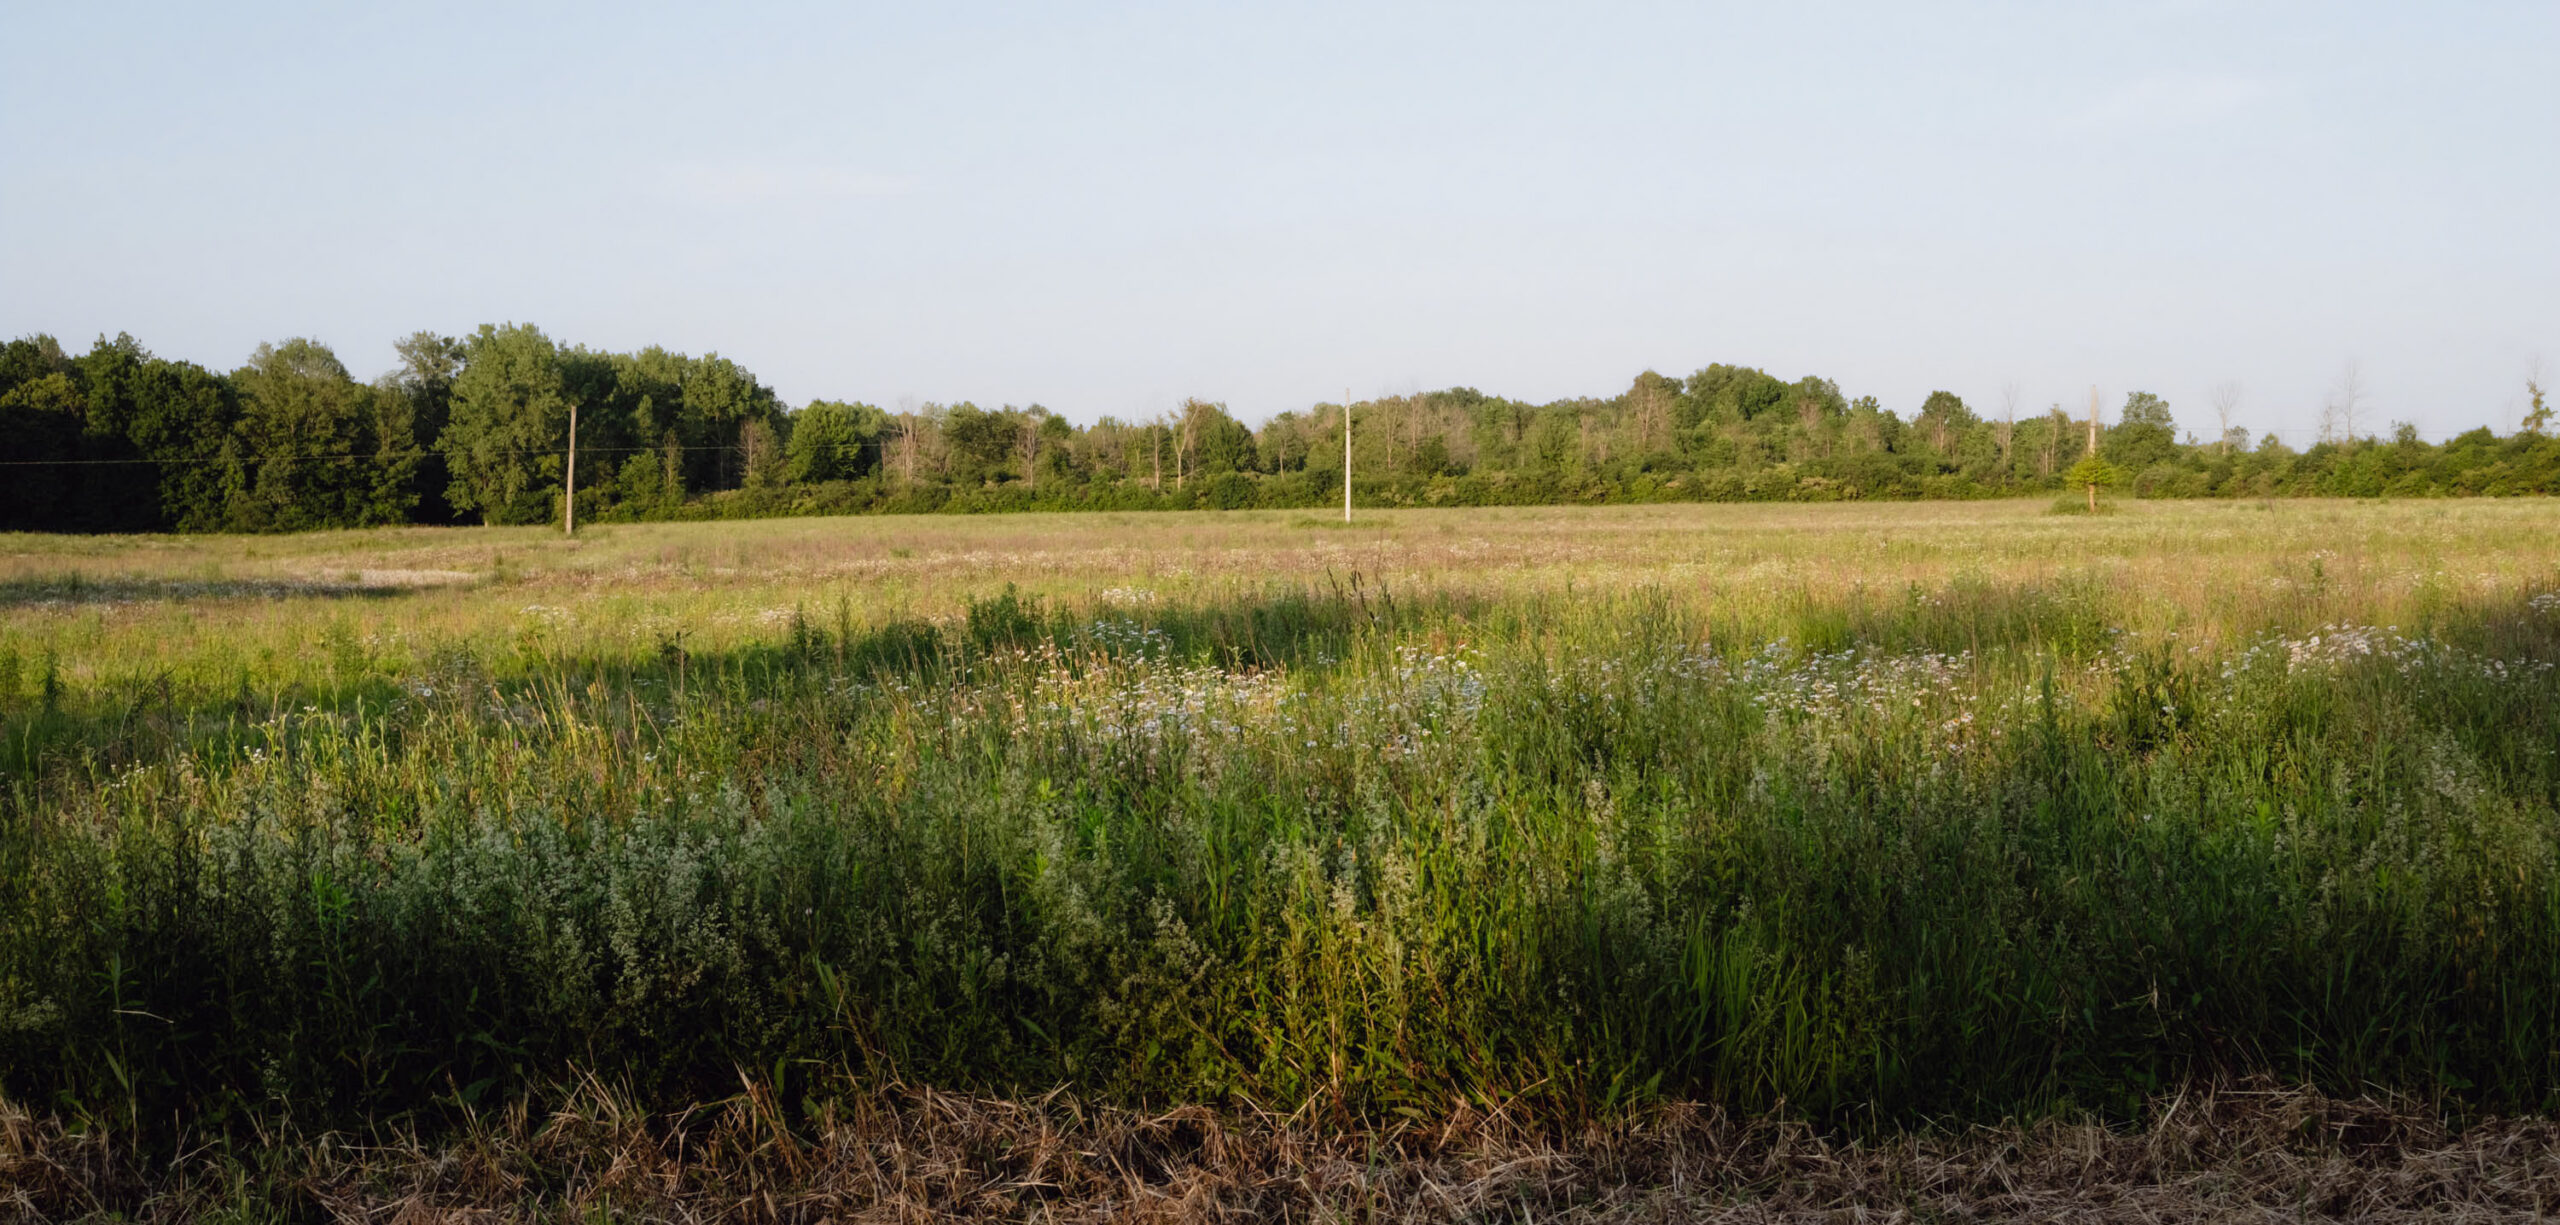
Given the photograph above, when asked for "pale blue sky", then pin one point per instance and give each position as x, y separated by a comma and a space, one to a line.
1105, 208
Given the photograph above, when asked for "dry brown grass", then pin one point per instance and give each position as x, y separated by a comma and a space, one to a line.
216, 605
2237, 1153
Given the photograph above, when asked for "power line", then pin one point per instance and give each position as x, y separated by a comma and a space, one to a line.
344, 457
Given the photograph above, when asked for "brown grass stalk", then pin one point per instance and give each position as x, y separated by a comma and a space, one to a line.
2245, 1152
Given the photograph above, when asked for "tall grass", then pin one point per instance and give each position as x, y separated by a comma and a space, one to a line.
1966, 846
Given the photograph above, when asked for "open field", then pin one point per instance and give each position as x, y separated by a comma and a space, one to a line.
115, 604
1861, 816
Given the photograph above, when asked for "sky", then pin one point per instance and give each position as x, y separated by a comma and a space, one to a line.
1106, 208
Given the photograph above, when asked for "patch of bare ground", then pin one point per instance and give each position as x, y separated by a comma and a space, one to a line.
415, 578
2234, 1154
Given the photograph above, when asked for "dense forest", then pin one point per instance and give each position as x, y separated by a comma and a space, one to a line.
476, 429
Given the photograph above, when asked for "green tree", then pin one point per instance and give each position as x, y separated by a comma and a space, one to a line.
1729, 393
612, 409
657, 398
1057, 451
185, 420
31, 357
116, 487
2090, 473
1553, 437
761, 456
1944, 420
1650, 410
832, 440
165, 428
506, 440
41, 416
42, 407
320, 449
429, 363
1430, 457
1869, 424
981, 443
1217, 442
2145, 436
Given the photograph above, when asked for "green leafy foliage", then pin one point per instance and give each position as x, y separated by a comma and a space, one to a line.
317, 448
475, 429
2091, 473
835, 441
42, 415
506, 442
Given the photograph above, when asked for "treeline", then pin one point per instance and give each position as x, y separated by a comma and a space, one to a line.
476, 429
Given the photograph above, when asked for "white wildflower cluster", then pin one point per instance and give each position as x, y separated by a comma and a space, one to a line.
2513, 670
1121, 636
1830, 685
1128, 595
2546, 604
1129, 693
2339, 645
1934, 688
2331, 646
547, 614
1430, 694
1772, 659
130, 776
1153, 702
1439, 682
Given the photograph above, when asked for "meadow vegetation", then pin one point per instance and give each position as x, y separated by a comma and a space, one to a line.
487, 429
1860, 815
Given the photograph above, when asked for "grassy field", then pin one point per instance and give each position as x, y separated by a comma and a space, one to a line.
1864, 816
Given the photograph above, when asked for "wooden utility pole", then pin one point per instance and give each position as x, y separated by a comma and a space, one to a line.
2093, 421
569, 513
1346, 455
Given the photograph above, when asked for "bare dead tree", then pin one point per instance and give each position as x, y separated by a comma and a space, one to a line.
1397, 428
2226, 400
2339, 411
907, 433
2007, 433
1650, 410
1031, 448
1182, 446
2537, 417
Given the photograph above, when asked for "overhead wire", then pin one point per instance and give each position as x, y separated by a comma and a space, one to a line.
351, 455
